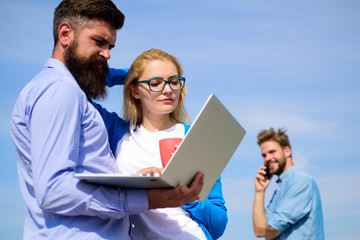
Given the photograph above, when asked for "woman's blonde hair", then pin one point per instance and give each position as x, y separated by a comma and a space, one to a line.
132, 106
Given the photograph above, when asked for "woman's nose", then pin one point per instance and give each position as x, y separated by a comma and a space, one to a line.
167, 88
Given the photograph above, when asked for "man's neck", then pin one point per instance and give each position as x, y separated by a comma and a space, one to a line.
289, 164
58, 53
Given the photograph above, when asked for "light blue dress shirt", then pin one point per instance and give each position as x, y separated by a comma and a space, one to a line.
295, 208
56, 133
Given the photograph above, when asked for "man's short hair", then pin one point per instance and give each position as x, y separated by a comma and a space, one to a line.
78, 13
279, 136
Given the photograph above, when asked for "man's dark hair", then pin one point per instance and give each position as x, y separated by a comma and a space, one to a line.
78, 13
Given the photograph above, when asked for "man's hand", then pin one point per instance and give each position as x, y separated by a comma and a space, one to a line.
261, 183
176, 197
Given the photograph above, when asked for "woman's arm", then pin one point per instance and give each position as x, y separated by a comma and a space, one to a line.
210, 214
116, 127
116, 77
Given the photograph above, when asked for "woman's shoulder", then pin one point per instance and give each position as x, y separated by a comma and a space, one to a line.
185, 127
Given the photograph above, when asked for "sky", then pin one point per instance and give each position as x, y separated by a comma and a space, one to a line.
292, 64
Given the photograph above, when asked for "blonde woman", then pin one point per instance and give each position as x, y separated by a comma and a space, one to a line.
154, 94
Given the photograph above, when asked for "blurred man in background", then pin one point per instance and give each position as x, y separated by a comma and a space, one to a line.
294, 211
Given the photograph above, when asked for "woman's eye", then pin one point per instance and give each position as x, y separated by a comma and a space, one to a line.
155, 83
175, 82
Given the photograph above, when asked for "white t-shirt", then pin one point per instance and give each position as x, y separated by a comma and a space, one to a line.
139, 149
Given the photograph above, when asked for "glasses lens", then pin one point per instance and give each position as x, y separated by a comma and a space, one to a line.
175, 84
156, 85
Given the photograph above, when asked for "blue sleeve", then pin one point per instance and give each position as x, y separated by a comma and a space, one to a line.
115, 126
210, 214
116, 77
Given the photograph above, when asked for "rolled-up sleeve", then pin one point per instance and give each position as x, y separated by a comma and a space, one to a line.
295, 203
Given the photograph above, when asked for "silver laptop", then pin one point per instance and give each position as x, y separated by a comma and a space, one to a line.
207, 147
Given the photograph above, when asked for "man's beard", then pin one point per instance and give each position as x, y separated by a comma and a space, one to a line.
90, 73
281, 165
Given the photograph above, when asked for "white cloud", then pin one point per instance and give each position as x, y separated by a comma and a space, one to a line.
300, 160
292, 121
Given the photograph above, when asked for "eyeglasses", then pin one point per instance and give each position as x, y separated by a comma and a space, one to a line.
158, 84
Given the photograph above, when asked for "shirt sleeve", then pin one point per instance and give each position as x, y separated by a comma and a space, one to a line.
211, 213
116, 77
55, 127
294, 204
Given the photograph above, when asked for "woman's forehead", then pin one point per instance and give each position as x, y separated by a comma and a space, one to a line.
159, 68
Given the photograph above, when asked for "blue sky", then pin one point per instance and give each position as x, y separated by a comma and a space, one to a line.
293, 64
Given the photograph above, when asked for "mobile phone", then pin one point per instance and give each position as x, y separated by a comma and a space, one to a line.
267, 170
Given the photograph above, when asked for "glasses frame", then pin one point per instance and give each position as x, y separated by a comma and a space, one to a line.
181, 79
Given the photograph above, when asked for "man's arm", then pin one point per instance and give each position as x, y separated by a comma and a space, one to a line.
176, 197
54, 121
55, 137
259, 217
261, 228
271, 233
260, 225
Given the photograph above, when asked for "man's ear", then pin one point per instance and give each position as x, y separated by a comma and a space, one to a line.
287, 151
66, 34
135, 91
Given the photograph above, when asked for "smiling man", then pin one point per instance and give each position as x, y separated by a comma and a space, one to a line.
58, 132
294, 211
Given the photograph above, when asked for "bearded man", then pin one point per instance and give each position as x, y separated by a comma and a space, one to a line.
294, 211
58, 132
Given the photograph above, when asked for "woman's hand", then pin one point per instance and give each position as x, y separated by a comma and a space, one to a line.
151, 170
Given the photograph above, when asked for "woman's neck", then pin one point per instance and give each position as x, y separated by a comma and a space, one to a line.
157, 123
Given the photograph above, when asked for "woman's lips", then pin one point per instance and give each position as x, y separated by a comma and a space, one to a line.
167, 100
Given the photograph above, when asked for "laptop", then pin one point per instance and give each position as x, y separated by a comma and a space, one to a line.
207, 147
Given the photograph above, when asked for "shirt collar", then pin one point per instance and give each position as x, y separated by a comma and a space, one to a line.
286, 173
55, 63
59, 66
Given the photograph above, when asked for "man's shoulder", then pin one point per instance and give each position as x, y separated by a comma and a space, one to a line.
55, 72
298, 176
51, 75
49, 84
301, 172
